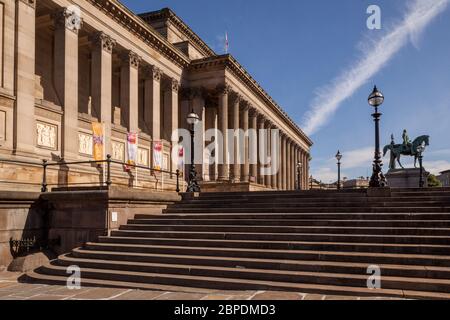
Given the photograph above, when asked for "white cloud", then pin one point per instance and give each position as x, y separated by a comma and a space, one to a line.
436, 167
325, 174
352, 159
374, 58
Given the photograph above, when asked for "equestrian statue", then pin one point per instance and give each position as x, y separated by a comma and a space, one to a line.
407, 148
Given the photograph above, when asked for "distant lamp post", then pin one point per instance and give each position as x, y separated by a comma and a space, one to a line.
311, 182
339, 158
377, 180
192, 119
420, 151
299, 175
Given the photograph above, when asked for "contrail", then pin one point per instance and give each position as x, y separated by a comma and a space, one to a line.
374, 58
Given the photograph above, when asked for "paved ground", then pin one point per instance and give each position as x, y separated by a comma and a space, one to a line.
10, 289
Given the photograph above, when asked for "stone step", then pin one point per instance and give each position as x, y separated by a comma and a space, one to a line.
232, 279
291, 229
293, 222
286, 245
255, 263
359, 199
309, 216
361, 257
244, 210
361, 238
315, 277
311, 204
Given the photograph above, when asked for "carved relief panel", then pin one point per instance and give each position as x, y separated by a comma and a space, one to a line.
143, 157
85, 144
47, 135
118, 151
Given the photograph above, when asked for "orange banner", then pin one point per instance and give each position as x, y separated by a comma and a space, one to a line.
97, 128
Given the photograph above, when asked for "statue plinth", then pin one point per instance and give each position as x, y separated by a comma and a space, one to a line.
406, 178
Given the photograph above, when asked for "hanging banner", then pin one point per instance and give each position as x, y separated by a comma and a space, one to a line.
157, 155
132, 147
98, 140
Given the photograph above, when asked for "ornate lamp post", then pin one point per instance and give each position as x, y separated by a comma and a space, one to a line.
192, 120
377, 180
339, 158
420, 150
299, 175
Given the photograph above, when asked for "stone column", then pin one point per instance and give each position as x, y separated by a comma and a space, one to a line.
24, 140
268, 127
284, 163
297, 161
66, 77
129, 86
236, 126
245, 168
171, 117
288, 165
101, 83
307, 170
280, 173
198, 104
224, 173
261, 148
275, 154
152, 101
253, 146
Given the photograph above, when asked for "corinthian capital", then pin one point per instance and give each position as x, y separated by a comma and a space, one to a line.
223, 89
132, 58
172, 85
104, 41
69, 18
152, 72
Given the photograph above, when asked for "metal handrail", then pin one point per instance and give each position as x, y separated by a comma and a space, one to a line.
45, 164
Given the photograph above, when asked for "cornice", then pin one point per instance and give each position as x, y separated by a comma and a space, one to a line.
168, 15
130, 21
229, 62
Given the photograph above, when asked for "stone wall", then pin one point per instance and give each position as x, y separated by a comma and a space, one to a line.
75, 216
20, 218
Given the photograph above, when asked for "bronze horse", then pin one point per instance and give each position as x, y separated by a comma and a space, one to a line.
397, 150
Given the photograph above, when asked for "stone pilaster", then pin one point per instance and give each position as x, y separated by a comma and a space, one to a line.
171, 117
129, 86
152, 100
24, 140
66, 76
224, 173
101, 82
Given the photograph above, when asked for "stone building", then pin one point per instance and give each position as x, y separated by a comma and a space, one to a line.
68, 64
444, 178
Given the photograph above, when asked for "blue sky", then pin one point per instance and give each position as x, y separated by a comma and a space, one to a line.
297, 49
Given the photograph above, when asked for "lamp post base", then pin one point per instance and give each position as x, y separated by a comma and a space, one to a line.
193, 185
378, 180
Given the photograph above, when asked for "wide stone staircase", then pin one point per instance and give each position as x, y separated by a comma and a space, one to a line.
305, 241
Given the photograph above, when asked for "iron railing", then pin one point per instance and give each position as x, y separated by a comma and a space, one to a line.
45, 164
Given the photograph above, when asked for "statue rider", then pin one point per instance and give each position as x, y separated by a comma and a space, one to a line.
407, 144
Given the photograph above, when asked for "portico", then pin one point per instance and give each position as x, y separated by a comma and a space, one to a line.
97, 62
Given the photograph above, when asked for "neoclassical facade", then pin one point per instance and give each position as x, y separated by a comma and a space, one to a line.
67, 64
